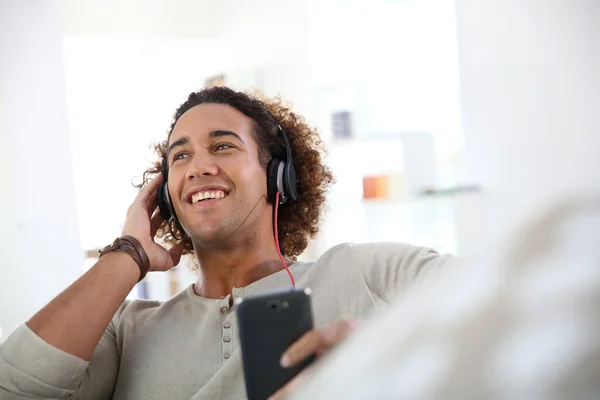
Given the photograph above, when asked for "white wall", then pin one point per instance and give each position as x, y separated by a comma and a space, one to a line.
126, 75
263, 22
400, 56
531, 99
39, 241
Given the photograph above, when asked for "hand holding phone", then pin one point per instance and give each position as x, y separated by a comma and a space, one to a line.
268, 325
317, 341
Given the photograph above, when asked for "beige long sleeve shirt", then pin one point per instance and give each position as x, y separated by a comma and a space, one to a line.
188, 347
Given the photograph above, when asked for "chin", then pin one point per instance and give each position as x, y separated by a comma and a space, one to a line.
207, 231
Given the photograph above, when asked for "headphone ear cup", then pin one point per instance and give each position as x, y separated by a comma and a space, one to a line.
164, 202
163, 198
290, 182
272, 179
169, 203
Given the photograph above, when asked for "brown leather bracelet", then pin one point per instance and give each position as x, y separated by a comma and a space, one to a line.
131, 246
145, 266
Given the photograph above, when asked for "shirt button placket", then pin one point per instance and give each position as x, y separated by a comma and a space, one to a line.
227, 336
226, 331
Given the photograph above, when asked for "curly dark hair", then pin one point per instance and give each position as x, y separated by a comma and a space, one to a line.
297, 220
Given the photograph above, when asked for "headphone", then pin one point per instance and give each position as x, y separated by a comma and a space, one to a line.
281, 177
281, 174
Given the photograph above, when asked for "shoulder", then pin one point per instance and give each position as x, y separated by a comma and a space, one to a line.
139, 310
135, 310
385, 263
379, 270
373, 252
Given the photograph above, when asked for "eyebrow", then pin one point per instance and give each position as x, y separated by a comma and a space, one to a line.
222, 133
213, 134
179, 142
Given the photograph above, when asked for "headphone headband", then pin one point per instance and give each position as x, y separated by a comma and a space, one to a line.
286, 143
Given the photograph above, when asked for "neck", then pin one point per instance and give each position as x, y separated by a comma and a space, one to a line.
239, 266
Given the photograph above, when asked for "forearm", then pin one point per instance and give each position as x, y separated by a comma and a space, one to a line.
75, 320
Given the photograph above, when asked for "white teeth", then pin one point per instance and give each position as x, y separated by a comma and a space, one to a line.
207, 195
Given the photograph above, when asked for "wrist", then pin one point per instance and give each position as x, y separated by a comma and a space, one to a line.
130, 245
122, 264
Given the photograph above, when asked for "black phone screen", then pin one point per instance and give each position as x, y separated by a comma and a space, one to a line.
268, 324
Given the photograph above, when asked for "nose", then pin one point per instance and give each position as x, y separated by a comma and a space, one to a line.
204, 165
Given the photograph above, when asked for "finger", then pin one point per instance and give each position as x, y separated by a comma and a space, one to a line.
307, 345
175, 252
155, 222
291, 386
316, 341
152, 203
150, 189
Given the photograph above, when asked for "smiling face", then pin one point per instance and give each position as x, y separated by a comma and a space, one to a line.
216, 182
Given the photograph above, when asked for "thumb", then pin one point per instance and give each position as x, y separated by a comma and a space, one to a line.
176, 251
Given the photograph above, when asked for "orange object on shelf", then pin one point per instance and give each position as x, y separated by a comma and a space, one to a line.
376, 187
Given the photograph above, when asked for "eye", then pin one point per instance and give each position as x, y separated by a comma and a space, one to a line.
223, 146
179, 156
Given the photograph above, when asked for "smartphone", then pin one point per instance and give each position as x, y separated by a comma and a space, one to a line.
268, 324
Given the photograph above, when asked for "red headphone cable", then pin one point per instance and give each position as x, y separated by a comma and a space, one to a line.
277, 240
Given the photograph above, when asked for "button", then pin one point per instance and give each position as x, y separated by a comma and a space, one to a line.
226, 339
226, 355
227, 324
224, 309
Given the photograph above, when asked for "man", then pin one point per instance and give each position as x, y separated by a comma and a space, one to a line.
225, 195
